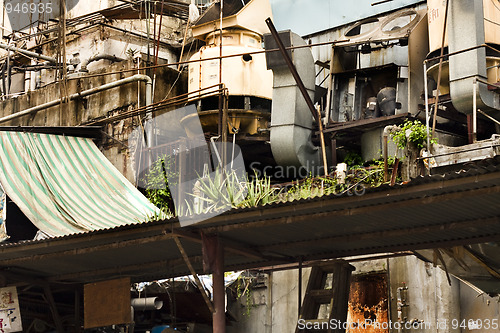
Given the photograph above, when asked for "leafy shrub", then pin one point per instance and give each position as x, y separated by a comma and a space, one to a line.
411, 131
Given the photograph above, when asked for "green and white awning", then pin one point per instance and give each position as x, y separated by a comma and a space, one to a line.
65, 185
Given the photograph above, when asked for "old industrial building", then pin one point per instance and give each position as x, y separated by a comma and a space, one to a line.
250, 166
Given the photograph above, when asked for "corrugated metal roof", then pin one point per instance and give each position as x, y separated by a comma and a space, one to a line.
65, 185
433, 211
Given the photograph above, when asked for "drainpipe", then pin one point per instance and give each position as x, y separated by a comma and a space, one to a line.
85, 93
28, 53
466, 30
85, 63
385, 135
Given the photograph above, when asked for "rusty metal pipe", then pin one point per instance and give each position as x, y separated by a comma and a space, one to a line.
427, 114
28, 53
85, 93
474, 111
385, 136
219, 296
440, 68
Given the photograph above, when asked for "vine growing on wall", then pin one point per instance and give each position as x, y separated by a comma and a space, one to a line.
244, 289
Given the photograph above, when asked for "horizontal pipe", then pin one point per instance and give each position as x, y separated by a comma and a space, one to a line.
28, 53
456, 52
137, 77
212, 58
147, 303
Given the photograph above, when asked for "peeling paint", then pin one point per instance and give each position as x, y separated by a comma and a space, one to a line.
368, 303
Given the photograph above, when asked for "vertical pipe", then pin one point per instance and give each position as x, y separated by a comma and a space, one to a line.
159, 35
147, 9
334, 151
300, 284
151, 135
4, 86
426, 93
219, 316
330, 89
269, 317
7, 92
474, 112
386, 163
440, 67
389, 291
323, 148
221, 107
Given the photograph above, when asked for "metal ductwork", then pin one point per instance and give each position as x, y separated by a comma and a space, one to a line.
291, 119
466, 30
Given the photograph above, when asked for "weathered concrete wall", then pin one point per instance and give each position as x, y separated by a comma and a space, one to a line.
480, 308
253, 314
429, 296
116, 37
101, 105
275, 308
430, 300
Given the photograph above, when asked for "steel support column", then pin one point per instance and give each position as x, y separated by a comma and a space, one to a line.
219, 296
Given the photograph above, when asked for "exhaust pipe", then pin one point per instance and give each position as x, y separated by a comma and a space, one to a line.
291, 119
466, 30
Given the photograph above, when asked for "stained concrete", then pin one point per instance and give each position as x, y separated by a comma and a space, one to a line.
97, 106
430, 300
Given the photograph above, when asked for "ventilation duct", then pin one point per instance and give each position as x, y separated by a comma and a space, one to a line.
466, 30
291, 119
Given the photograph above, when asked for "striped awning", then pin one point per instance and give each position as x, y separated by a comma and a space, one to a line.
65, 185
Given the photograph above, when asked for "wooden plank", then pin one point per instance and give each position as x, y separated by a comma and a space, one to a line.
107, 303
321, 296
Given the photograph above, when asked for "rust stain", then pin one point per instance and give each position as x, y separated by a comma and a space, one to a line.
368, 304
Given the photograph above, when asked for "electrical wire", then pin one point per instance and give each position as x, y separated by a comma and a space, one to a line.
178, 76
206, 59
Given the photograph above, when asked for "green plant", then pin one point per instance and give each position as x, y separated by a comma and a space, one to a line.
353, 158
310, 187
221, 190
411, 131
244, 289
161, 214
131, 53
156, 183
260, 192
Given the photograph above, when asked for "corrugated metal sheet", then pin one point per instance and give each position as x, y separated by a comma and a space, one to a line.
433, 211
65, 185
